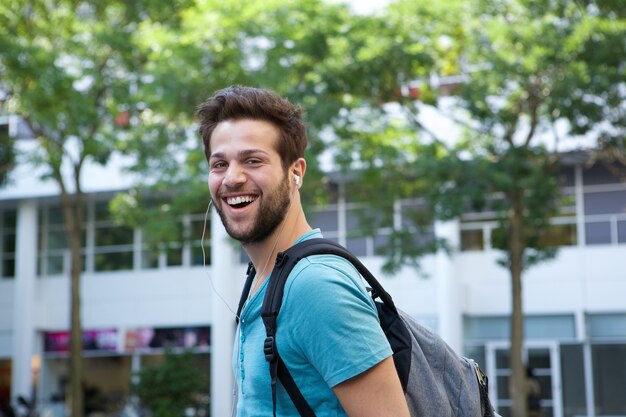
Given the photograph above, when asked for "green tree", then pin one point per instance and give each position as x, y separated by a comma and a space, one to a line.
169, 388
526, 67
73, 71
302, 49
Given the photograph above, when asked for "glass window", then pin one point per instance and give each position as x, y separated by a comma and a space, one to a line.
573, 381
485, 328
113, 261
366, 220
56, 239
55, 216
54, 264
609, 378
621, 231
477, 353
381, 244
607, 325
502, 387
599, 175
560, 327
102, 212
149, 259
174, 255
605, 202
170, 239
502, 362
4, 130
413, 214
357, 246
354, 218
198, 257
472, 240
558, 235
113, 249
567, 203
8, 221
567, 177
54, 242
325, 219
113, 236
197, 228
598, 232
118, 241
8, 267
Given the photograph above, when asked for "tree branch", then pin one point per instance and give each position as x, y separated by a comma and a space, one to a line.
413, 119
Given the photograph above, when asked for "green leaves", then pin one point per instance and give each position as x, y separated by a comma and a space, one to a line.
174, 385
523, 66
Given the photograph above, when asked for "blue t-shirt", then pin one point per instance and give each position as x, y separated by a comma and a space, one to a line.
327, 332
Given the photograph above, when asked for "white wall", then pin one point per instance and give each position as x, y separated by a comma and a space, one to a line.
173, 297
589, 279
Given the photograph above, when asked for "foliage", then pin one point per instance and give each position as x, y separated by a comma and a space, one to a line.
169, 388
95, 78
315, 53
533, 76
73, 71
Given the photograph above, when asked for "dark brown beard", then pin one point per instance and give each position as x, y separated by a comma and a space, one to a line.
271, 213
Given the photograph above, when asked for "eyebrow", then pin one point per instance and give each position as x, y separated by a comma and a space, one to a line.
241, 154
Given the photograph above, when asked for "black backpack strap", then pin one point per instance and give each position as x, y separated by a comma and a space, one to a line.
269, 313
292, 389
285, 262
246, 289
319, 246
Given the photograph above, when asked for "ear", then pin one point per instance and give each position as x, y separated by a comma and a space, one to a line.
298, 169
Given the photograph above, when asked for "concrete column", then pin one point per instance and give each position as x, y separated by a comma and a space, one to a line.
449, 289
24, 306
580, 206
225, 283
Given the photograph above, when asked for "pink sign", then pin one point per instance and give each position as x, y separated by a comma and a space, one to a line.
93, 340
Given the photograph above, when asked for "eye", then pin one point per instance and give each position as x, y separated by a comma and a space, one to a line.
253, 161
218, 165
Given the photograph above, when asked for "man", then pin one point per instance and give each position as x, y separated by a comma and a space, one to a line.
328, 333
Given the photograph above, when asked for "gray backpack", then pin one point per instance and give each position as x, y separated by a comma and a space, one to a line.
435, 379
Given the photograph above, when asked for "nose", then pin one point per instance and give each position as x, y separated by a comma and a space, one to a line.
234, 176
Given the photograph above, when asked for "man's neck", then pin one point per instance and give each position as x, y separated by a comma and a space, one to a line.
262, 254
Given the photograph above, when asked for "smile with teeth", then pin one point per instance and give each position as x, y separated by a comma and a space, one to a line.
241, 199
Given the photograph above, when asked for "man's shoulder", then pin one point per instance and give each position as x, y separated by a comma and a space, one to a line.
318, 276
325, 265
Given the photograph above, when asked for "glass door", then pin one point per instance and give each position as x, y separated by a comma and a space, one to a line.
542, 358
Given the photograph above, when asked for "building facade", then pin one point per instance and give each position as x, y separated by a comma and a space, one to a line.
138, 300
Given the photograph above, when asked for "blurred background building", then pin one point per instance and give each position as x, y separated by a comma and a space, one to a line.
137, 300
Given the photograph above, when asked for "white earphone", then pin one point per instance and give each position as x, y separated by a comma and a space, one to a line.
296, 178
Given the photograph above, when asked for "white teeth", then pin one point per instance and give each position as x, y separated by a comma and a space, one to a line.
240, 199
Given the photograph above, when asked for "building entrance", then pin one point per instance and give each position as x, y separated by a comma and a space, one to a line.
542, 358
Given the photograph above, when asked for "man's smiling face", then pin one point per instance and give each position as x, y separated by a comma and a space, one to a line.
248, 184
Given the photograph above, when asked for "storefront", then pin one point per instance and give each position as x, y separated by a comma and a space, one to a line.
579, 374
111, 358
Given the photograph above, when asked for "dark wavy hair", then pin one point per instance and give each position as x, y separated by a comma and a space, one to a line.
238, 102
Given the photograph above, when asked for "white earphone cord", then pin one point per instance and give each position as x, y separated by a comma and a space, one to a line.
206, 215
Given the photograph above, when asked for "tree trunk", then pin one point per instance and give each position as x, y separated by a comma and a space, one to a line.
517, 381
73, 212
